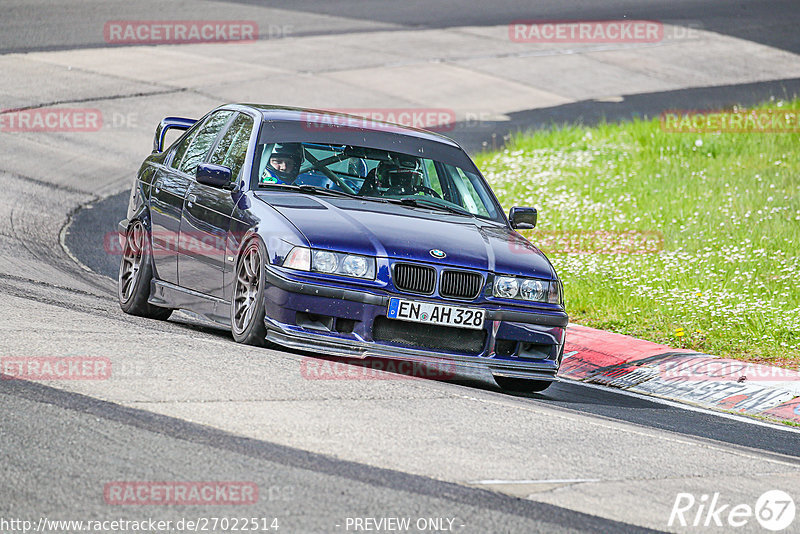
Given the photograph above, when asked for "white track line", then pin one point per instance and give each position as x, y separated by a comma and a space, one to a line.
555, 481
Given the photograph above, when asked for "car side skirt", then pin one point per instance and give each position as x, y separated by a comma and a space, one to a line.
211, 308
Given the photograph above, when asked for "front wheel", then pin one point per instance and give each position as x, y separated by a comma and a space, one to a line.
522, 385
247, 304
135, 274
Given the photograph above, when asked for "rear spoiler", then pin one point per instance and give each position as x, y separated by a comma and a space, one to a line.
168, 123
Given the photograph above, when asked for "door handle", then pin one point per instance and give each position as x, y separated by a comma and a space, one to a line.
190, 200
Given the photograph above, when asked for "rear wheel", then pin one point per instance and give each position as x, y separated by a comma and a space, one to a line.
135, 274
522, 385
247, 304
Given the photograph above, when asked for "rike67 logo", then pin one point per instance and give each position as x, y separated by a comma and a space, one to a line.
774, 510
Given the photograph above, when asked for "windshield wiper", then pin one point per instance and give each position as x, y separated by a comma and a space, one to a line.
422, 202
314, 189
311, 189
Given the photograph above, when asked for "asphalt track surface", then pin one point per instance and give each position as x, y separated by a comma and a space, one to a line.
97, 225
27, 27
305, 492
60, 447
61, 26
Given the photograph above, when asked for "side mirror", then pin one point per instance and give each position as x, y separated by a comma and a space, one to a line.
522, 218
214, 175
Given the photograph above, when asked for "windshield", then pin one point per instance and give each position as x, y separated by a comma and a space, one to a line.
376, 174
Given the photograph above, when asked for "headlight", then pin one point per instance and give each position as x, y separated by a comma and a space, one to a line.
328, 262
505, 287
324, 261
357, 266
529, 289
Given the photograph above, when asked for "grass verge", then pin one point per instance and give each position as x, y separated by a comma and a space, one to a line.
687, 239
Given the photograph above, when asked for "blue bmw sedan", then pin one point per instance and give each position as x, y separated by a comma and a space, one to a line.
343, 236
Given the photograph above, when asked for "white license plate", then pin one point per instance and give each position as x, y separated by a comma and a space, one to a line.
428, 312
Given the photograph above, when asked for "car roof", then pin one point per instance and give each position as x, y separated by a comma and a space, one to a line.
321, 116
291, 125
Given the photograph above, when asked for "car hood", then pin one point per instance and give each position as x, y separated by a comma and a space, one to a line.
409, 233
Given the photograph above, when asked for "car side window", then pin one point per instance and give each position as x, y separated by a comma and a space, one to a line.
471, 199
433, 177
199, 146
232, 148
181, 149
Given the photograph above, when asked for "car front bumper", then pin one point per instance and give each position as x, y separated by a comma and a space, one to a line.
309, 316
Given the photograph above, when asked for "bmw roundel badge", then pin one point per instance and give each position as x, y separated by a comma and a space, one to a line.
439, 254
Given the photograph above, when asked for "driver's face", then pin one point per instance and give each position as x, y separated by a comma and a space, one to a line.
282, 164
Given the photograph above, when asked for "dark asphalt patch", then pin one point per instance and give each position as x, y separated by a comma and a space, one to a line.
108, 442
770, 22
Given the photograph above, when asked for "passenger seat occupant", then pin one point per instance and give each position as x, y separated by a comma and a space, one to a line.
284, 163
398, 177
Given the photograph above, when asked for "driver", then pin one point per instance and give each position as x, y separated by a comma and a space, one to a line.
401, 176
284, 163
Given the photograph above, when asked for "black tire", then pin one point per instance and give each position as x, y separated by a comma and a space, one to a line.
135, 274
522, 385
247, 302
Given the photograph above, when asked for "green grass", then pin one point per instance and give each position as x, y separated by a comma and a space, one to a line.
726, 278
